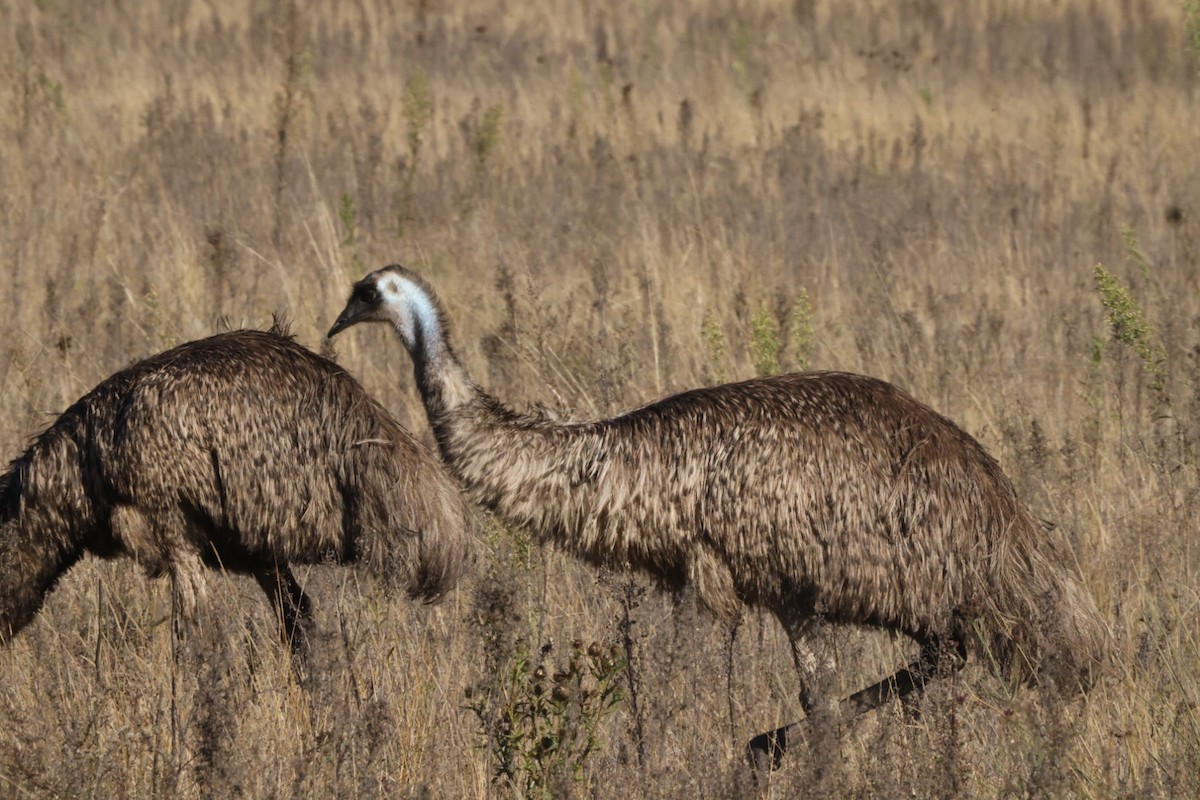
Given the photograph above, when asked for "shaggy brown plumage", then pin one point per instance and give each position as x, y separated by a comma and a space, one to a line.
819, 496
243, 451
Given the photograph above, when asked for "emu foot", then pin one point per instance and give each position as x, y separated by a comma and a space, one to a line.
765, 751
910, 708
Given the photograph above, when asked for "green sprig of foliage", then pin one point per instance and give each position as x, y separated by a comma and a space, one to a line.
488, 137
349, 219
486, 140
574, 102
1191, 13
515, 542
1134, 250
348, 216
765, 342
292, 47
163, 333
803, 337
54, 93
543, 723
714, 344
1129, 326
417, 106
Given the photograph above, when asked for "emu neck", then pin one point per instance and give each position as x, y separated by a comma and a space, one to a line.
485, 444
563, 481
532, 472
443, 381
445, 385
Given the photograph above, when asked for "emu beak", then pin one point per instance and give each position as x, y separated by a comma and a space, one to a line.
347, 318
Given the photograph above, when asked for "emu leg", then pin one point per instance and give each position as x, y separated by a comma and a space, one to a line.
913, 677
292, 605
766, 750
809, 667
189, 587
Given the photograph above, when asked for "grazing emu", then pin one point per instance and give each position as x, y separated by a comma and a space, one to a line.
821, 497
243, 451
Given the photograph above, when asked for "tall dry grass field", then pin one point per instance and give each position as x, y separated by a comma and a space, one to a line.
616, 201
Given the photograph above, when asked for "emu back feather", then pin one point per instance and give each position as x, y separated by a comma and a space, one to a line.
809, 494
813, 495
233, 451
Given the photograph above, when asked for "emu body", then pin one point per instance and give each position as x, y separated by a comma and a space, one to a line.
823, 497
244, 452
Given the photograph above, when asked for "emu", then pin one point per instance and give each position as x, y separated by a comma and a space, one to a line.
821, 497
244, 452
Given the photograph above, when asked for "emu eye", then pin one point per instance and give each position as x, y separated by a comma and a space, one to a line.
368, 293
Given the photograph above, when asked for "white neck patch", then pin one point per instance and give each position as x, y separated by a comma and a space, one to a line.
416, 311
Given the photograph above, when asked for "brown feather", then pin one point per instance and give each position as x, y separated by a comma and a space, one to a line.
821, 494
242, 451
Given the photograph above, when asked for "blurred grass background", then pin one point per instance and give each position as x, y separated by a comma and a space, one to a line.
616, 201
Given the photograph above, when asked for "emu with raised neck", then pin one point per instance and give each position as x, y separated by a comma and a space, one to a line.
543, 475
822, 497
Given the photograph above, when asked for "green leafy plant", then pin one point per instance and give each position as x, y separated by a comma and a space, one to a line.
542, 722
742, 46
417, 106
487, 138
803, 338
714, 344
160, 320
348, 215
515, 543
765, 342
484, 139
54, 93
291, 46
1128, 326
1134, 251
575, 104
1191, 12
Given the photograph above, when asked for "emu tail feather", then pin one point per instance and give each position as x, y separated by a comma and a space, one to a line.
444, 554
415, 532
1086, 640
1040, 622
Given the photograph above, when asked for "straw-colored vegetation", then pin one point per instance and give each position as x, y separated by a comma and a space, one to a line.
995, 205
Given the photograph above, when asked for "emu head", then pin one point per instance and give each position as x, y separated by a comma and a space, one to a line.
398, 296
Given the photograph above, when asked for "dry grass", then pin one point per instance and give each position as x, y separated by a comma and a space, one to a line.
589, 186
